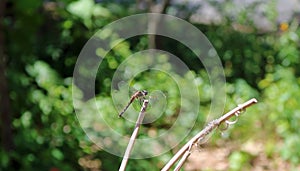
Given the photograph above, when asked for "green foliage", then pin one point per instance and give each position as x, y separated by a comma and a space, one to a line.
45, 38
47, 123
281, 91
288, 47
239, 161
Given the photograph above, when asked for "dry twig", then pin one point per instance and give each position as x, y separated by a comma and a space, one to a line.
133, 136
185, 150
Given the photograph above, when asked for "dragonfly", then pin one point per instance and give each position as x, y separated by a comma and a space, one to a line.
137, 95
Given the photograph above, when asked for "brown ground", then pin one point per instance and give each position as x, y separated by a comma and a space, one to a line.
213, 158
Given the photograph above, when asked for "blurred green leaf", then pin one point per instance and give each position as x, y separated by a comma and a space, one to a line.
56, 153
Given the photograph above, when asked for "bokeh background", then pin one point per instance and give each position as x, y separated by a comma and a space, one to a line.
258, 44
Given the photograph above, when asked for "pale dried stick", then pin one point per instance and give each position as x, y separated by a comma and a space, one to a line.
183, 158
208, 129
133, 136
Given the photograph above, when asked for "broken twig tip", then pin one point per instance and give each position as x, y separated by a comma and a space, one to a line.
254, 100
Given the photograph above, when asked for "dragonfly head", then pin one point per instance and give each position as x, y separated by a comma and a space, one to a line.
144, 92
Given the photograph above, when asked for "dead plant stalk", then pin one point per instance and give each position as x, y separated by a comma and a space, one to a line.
133, 136
185, 150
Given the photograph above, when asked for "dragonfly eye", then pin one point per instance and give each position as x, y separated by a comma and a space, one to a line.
145, 92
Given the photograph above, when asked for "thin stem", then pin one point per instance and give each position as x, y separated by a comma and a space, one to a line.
208, 129
133, 136
183, 159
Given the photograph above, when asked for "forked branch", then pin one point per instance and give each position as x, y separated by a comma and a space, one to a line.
185, 150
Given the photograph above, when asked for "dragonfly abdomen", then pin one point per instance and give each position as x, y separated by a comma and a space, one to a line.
136, 95
126, 107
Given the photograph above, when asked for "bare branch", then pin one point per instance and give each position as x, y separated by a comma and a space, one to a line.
183, 159
133, 136
159, 8
208, 129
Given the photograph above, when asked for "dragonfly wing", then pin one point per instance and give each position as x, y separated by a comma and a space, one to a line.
157, 106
